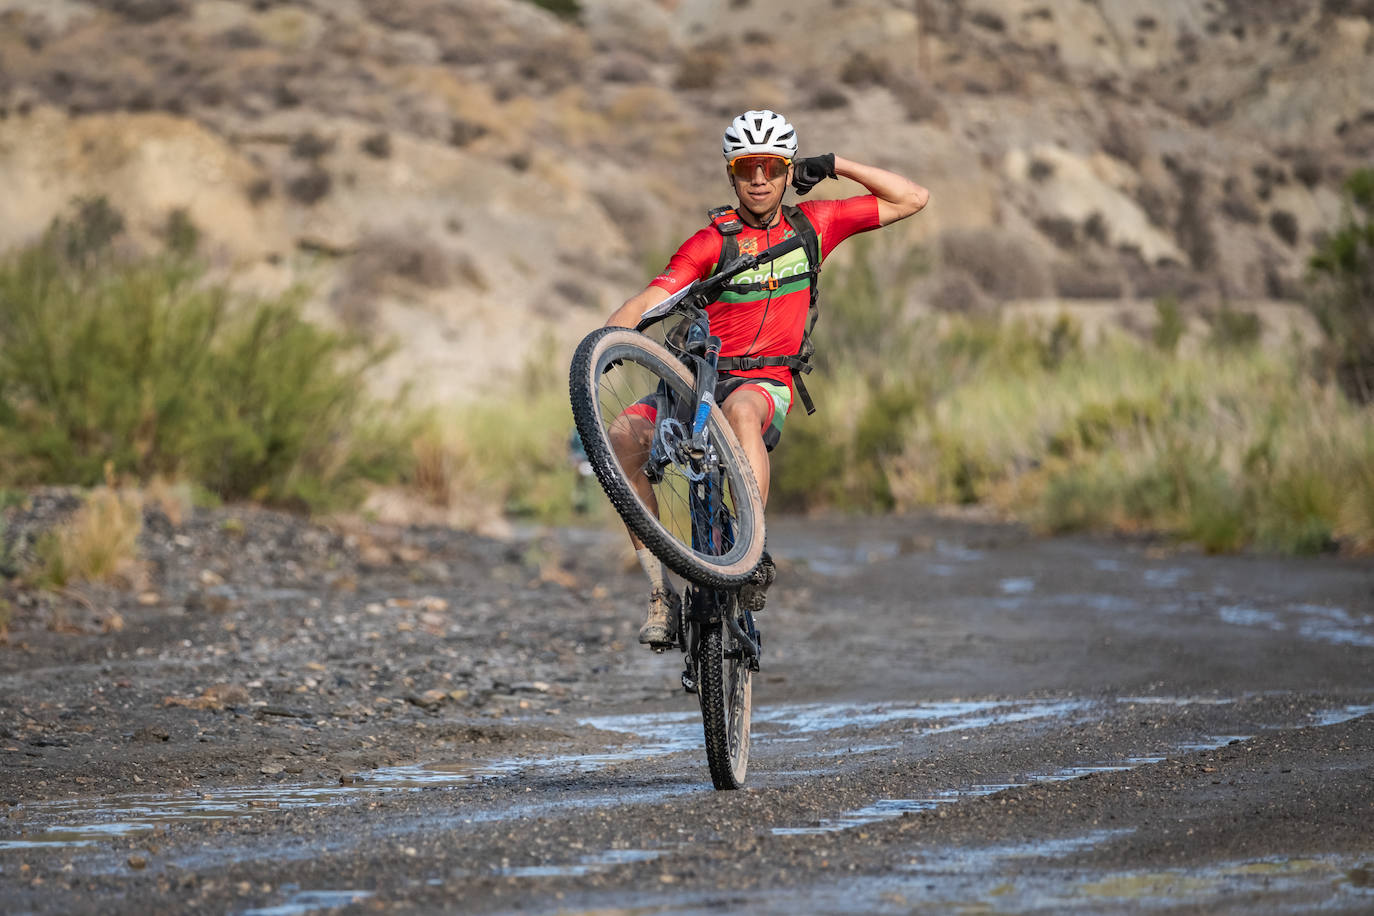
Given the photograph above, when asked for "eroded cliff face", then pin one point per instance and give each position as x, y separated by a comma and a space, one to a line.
473, 177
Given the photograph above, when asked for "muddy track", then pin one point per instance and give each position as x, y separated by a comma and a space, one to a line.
949, 715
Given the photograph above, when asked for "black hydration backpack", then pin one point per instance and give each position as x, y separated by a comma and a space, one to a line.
727, 222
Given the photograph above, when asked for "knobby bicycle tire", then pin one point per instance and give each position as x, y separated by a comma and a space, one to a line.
725, 689
608, 350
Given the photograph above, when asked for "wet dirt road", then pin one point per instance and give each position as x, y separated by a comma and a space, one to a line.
951, 717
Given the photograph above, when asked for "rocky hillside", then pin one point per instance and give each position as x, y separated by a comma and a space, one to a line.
475, 176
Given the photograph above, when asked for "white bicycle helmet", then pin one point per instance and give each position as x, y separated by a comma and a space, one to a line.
756, 132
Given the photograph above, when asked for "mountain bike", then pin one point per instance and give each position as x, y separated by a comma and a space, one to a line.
643, 402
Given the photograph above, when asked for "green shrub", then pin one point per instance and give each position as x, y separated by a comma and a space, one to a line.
1342, 292
563, 9
146, 365
1231, 328
1169, 324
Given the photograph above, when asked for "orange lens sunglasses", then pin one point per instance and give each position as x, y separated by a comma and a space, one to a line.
743, 168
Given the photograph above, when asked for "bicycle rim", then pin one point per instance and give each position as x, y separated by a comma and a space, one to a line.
725, 689
704, 521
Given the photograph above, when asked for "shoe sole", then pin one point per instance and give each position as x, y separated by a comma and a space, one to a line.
658, 637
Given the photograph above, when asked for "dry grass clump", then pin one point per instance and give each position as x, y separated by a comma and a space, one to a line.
1165, 278
145, 11
698, 68
173, 498
1238, 204
97, 544
557, 61
389, 261
918, 99
1193, 226
955, 291
1125, 141
1087, 280
1285, 226
1060, 230
863, 69
1156, 202
311, 186
1003, 265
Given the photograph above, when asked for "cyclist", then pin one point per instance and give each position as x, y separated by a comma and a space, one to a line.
763, 319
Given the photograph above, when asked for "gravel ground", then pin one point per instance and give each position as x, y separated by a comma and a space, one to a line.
287, 717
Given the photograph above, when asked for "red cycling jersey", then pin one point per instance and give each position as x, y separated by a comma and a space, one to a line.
767, 322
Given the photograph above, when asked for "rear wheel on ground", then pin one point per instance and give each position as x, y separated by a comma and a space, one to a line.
725, 690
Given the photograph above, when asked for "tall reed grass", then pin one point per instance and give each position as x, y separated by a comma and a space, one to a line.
1225, 444
507, 454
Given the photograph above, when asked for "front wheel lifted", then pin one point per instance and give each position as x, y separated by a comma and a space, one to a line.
725, 690
701, 514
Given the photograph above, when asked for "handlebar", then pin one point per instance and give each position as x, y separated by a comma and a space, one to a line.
718, 281
703, 292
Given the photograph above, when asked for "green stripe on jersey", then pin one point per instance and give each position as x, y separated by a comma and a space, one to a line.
790, 269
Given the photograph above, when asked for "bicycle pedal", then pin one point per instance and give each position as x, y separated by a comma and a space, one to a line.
689, 685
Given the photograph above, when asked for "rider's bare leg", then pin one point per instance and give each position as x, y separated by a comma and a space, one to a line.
631, 438
746, 410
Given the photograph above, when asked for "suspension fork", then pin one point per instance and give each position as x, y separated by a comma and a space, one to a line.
671, 440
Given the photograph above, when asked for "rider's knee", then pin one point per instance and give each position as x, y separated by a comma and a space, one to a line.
626, 433
744, 417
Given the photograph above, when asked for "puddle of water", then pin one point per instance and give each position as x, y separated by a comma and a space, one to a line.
1017, 586
133, 814
1214, 743
1322, 631
1337, 614
306, 902
1345, 714
1108, 604
853, 751
1249, 617
830, 560
957, 551
987, 856
887, 808
1272, 875
1167, 577
957, 715
1179, 701
1317, 622
596, 862
996, 879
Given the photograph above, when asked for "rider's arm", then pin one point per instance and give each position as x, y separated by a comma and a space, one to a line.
693, 260
898, 197
627, 316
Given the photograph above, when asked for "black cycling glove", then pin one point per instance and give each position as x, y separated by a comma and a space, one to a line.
808, 172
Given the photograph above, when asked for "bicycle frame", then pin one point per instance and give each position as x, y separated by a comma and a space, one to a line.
690, 450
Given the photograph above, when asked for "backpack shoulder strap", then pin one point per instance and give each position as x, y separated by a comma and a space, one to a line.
727, 222
811, 243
